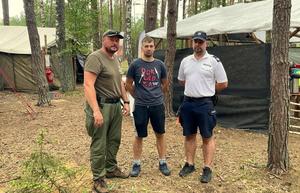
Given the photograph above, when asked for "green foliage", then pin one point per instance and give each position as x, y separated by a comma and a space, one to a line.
50, 16
136, 29
18, 20
78, 26
43, 173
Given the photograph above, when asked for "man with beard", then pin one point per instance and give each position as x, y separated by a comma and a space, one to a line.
103, 89
202, 75
146, 80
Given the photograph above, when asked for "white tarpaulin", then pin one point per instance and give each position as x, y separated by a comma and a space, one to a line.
15, 39
238, 18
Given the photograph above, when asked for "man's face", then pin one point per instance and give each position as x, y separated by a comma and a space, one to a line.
111, 44
148, 49
199, 46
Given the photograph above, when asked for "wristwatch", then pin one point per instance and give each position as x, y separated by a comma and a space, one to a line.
126, 102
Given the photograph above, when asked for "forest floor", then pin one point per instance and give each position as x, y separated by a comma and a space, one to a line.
239, 164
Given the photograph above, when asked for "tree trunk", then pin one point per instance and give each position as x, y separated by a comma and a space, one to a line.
183, 17
101, 25
111, 16
121, 15
151, 16
183, 9
37, 67
145, 13
68, 80
43, 18
127, 42
50, 14
5, 8
224, 3
162, 14
170, 54
124, 16
95, 23
278, 158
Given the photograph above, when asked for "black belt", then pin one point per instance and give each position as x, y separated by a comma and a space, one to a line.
197, 99
102, 100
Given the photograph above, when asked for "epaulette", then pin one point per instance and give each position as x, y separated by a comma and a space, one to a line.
217, 59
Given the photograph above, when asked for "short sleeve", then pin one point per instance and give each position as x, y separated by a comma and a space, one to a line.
93, 64
131, 70
181, 75
219, 71
163, 74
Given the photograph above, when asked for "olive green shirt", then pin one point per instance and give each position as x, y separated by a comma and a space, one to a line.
108, 82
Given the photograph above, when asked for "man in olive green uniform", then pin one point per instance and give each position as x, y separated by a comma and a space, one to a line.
103, 89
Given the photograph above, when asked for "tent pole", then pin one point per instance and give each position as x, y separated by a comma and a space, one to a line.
294, 32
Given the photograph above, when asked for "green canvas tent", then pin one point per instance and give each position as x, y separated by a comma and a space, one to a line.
15, 56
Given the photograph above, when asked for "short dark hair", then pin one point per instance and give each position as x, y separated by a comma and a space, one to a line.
147, 39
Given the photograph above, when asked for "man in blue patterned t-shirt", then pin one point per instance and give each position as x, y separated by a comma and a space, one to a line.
146, 81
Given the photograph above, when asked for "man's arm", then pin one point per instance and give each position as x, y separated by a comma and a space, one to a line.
90, 95
181, 82
126, 109
164, 85
221, 86
129, 86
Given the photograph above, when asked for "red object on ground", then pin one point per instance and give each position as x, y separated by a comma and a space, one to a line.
49, 75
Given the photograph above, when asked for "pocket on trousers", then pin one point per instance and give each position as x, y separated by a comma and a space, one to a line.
89, 121
212, 114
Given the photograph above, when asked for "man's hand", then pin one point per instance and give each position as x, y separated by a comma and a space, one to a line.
98, 119
126, 109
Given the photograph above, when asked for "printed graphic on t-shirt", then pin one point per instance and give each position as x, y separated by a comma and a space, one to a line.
149, 77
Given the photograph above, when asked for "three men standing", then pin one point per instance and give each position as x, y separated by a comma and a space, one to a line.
202, 75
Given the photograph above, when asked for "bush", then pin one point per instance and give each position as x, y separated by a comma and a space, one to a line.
43, 173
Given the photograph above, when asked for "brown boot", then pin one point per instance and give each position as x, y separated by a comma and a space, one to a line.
117, 173
100, 186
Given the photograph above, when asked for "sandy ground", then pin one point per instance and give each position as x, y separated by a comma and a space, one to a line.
239, 166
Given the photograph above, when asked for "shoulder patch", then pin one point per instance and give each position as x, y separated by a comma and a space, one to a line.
216, 58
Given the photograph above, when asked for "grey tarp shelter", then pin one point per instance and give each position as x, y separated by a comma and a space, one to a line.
15, 55
237, 18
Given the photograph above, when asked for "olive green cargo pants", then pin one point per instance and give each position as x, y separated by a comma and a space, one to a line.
105, 139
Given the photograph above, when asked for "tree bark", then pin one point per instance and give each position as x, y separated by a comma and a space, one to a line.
111, 16
170, 54
162, 14
37, 67
151, 16
278, 158
196, 7
95, 23
124, 15
183, 9
121, 15
127, 40
5, 9
101, 25
145, 13
43, 17
68, 80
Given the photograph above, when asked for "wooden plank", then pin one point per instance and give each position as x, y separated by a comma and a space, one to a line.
297, 104
295, 126
294, 110
296, 118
